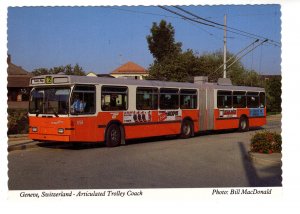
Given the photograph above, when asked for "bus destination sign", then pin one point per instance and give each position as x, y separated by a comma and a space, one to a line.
36, 81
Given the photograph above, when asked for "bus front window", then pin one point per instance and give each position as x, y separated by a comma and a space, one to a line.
49, 101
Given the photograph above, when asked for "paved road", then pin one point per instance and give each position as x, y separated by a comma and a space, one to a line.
207, 160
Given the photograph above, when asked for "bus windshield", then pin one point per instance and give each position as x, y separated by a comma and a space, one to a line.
49, 101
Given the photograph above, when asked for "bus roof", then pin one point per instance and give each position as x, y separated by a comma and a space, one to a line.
47, 80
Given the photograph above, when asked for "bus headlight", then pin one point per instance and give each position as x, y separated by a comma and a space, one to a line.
60, 131
34, 129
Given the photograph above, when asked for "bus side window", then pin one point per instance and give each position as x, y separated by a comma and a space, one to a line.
224, 99
114, 98
252, 100
146, 98
83, 99
239, 99
262, 99
169, 98
188, 99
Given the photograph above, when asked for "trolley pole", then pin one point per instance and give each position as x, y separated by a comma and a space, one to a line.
225, 48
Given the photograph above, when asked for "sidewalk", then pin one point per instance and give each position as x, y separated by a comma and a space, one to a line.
20, 142
273, 159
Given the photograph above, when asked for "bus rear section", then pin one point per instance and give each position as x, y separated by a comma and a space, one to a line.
224, 106
240, 108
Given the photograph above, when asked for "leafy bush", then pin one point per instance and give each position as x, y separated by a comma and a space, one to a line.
17, 121
266, 142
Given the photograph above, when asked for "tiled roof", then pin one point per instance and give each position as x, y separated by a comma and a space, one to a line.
130, 68
17, 76
16, 70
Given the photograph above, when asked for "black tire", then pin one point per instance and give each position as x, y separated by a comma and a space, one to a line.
186, 129
243, 124
113, 135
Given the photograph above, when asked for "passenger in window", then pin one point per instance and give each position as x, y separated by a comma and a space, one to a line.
78, 105
82, 106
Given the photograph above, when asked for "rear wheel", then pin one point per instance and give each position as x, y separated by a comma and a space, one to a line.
113, 136
243, 124
186, 129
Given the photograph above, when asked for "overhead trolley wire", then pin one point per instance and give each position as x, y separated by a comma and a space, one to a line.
196, 16
213, 24
183, 16
232, 57
238, 58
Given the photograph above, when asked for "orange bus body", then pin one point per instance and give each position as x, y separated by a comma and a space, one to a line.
93, 127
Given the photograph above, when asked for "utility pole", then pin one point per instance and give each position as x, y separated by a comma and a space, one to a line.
225, 48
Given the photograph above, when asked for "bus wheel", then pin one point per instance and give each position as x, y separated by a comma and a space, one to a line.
113, 136
243, 124
186, 129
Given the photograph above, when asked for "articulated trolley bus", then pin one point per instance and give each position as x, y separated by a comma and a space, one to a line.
111, 110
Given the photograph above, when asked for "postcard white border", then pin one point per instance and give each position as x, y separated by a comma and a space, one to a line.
290, 80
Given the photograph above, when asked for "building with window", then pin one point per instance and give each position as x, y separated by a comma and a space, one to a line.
130, 70
17, 85
93, 74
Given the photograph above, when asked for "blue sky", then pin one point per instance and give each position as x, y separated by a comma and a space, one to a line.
102, 38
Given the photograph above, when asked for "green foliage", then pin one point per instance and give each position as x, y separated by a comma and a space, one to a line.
210, 62
273, 94
161, 42
266, 142
179, 67
172, 64
17, 121
68, 70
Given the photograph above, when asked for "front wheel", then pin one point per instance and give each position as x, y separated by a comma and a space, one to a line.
186, 129
243, 124
113, 136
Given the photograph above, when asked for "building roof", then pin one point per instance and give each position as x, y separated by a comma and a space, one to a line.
16, 70
93, 74
130, 68
17, 76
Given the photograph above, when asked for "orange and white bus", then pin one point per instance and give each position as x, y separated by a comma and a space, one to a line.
111, 110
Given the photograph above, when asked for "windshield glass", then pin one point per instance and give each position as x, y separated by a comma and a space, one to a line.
49, 101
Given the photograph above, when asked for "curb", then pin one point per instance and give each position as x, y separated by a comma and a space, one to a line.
265, 159
22, 146
17, 135
17, 139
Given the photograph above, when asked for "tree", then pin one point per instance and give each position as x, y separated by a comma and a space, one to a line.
40, 71
68, 70
210, 65
179, 68
171, 64
161, 42
273, 94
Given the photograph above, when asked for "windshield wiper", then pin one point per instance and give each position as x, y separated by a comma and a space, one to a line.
54, 112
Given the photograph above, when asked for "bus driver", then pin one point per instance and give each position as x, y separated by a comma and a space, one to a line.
78, 105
